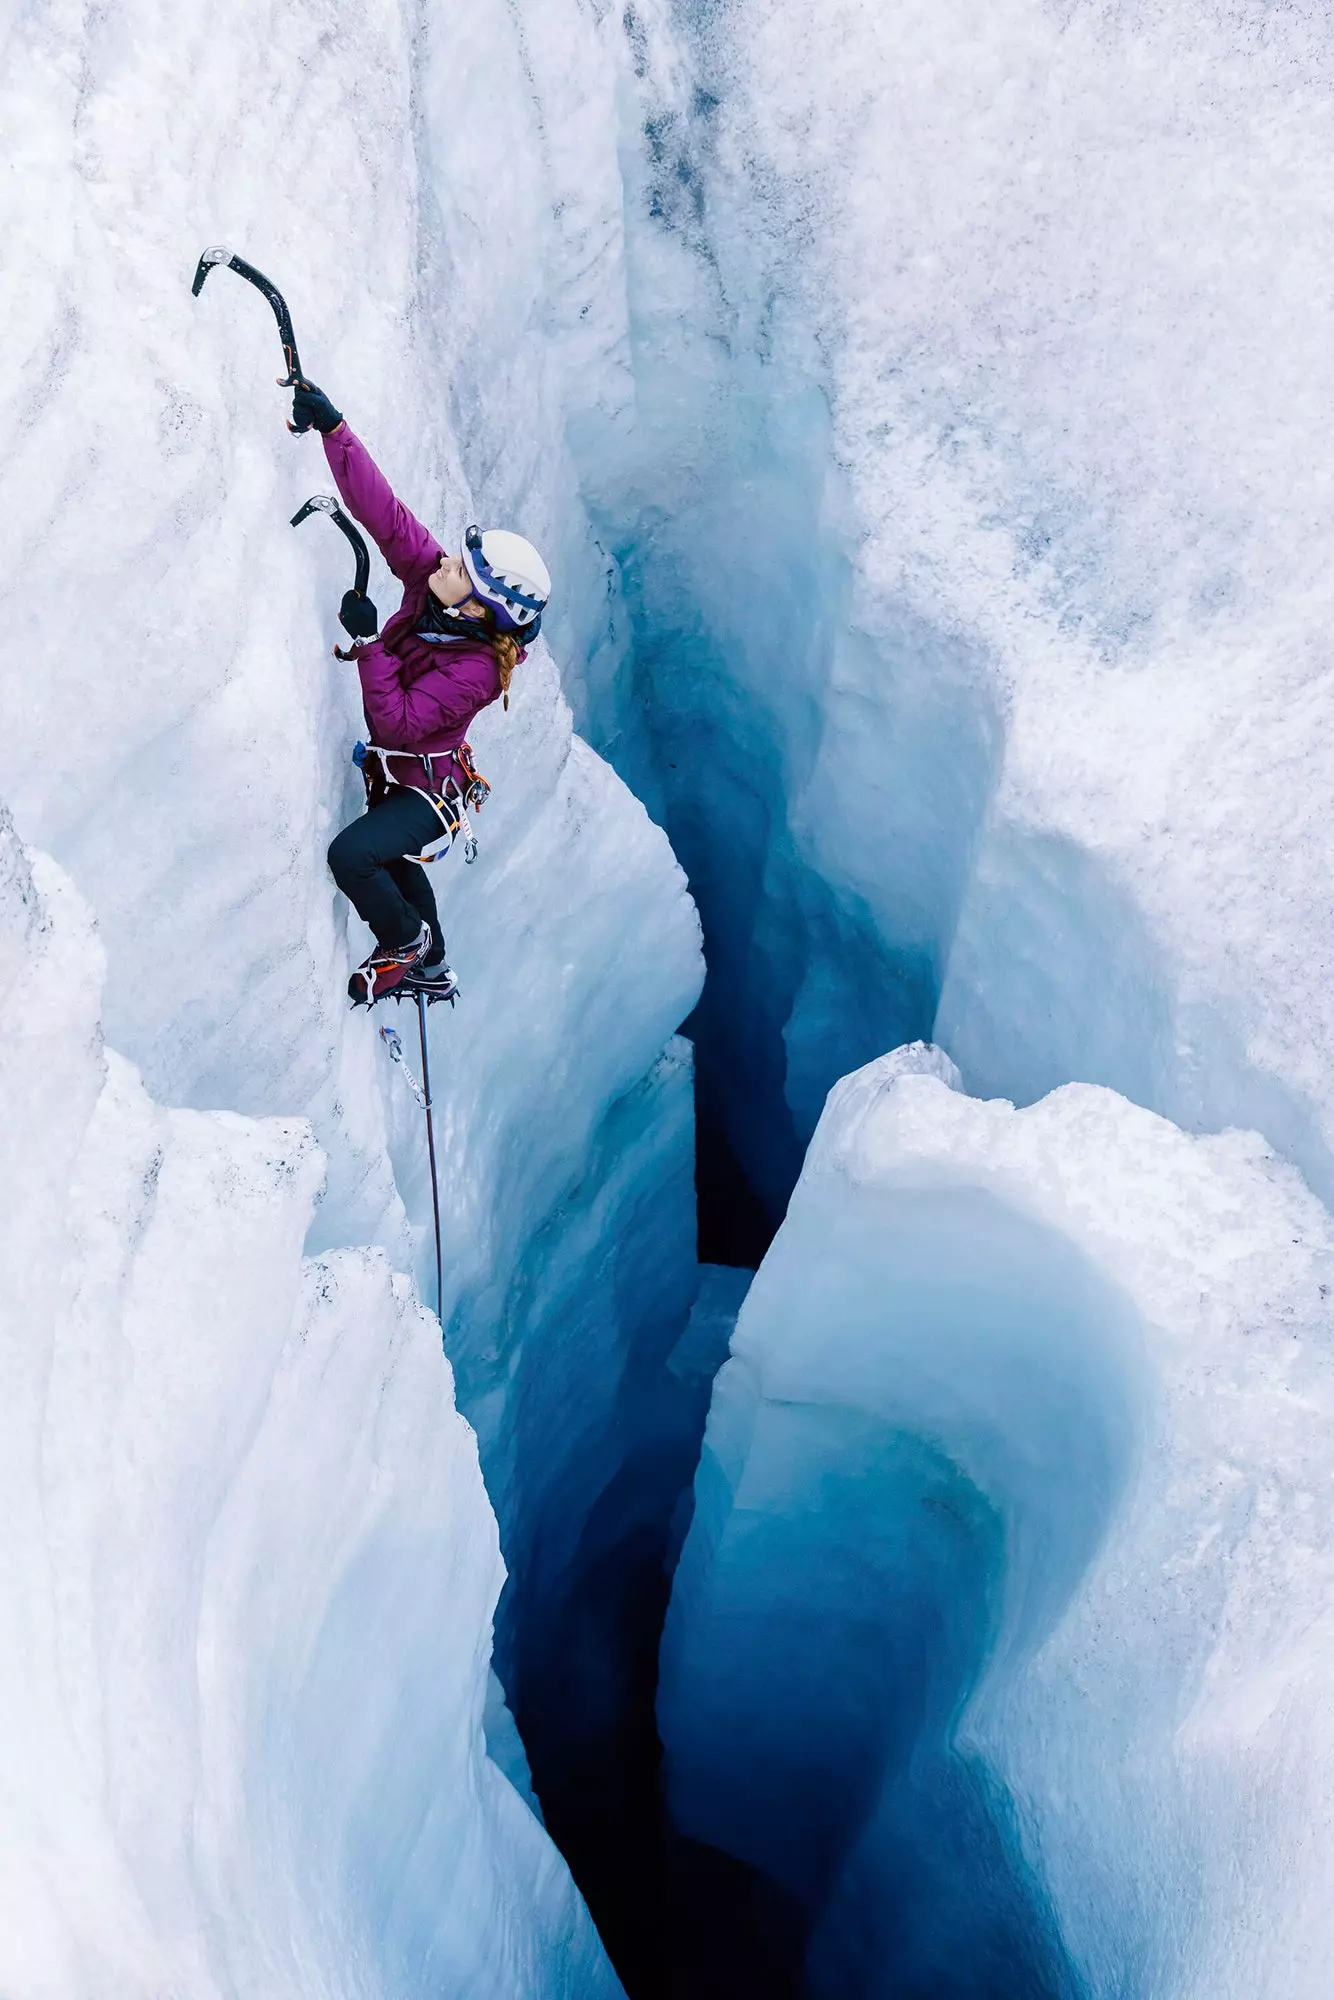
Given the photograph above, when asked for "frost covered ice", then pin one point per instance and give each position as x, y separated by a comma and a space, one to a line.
249, 1564
1001, 1642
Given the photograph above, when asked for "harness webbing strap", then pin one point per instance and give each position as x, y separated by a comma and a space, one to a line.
449, 807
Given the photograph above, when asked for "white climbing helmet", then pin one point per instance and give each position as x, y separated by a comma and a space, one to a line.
509, 575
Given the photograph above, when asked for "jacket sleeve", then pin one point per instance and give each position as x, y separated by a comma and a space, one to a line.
406, 546
448, 697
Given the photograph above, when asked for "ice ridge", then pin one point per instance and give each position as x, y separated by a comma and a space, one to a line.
1006, 1595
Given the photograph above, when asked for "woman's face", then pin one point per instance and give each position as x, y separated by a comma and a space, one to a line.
452, 585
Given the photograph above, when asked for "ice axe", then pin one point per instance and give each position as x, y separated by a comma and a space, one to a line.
218, 255
351, 615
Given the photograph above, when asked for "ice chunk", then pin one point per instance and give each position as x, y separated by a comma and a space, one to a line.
194, 732
181, 741
919, 1059
1013, 1545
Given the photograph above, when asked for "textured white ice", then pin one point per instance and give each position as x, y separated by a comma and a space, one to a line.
1051, 1389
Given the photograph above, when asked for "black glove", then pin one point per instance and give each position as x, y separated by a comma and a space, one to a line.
357, 615
311, 408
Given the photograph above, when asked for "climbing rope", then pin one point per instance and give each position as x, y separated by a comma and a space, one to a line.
422, 1092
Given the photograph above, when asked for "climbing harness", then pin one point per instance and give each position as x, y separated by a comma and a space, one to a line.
450, 805
422, 1092
217, 255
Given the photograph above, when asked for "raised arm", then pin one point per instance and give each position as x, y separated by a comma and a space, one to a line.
410, 550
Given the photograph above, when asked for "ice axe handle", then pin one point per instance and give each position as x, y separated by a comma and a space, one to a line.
324, 503
218, 255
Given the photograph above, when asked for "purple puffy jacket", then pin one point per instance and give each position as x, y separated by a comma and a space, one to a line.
422, 698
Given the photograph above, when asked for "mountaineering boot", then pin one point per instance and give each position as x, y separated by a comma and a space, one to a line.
385, 968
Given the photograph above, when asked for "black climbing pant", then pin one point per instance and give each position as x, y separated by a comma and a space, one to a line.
366, 860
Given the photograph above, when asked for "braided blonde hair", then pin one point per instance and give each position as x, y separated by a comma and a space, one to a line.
507, 651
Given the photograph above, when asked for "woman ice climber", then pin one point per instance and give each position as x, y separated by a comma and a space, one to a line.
445, 655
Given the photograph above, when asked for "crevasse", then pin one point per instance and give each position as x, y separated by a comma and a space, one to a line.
975, 553
924, 443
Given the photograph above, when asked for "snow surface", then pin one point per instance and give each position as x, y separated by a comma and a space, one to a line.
1001, 1639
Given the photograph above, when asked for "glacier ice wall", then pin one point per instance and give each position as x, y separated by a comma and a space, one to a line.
921, 430
181, 735
998, 1646
718, 493
249, 1565
974, 537
186, 736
